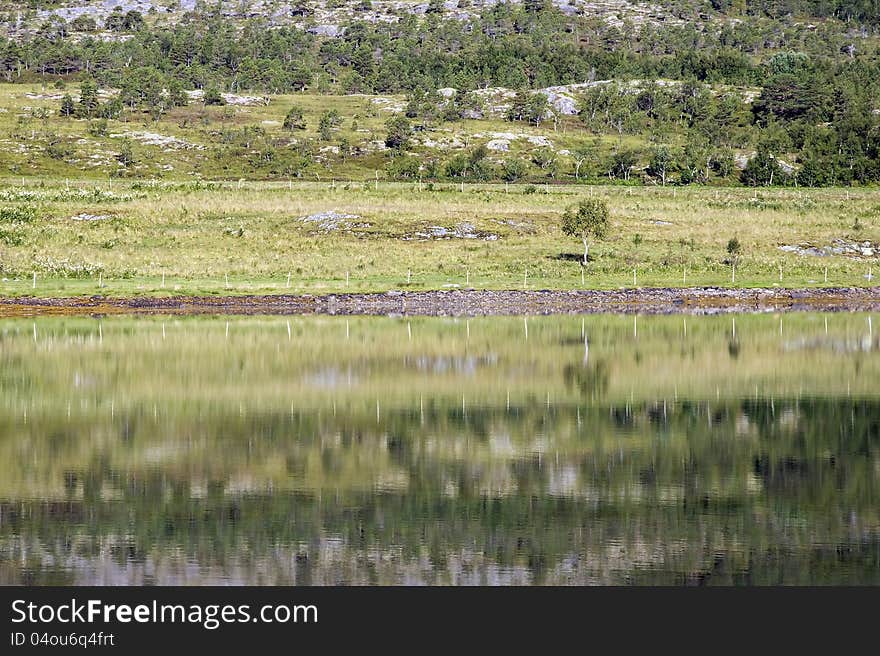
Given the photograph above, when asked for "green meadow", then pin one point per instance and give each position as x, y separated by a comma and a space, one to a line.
125, 238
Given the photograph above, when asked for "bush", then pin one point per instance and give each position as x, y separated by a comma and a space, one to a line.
98, 128
12, 220
295, 120
513, 169
213, 97
17, 214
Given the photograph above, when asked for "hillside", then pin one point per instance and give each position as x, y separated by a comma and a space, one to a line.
616, 92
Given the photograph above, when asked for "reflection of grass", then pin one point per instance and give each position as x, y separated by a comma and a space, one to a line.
199, 238
347, 401
316, 362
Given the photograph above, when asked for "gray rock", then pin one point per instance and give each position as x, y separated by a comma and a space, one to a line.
326, 30
500, 145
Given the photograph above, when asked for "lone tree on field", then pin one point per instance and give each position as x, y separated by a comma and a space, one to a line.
589, 218
734, 249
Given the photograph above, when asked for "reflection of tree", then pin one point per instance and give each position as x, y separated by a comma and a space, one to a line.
230, 510
733, 348
591, 379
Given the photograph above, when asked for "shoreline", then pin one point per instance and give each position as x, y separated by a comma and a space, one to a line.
695, 301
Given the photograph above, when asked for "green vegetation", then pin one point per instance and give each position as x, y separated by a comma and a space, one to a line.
125, 238
157, 147
587, 219
753, 93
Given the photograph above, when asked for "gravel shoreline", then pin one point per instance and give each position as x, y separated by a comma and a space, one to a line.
704, 300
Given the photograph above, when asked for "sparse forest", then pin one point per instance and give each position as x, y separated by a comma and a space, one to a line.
758, 93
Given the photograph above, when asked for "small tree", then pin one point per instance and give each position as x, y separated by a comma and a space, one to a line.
88, 98
213, 97
294, 119
325, 126
529, 107
126, 154
662, 161
734, 250
68, 109
399, 131
589, 218
582, 155
513, 169
761, 169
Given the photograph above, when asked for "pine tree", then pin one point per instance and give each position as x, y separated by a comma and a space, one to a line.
67, 107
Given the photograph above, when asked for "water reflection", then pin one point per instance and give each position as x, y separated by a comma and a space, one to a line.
552, 450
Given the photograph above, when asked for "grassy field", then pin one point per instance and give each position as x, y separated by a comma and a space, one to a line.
74, 221
249, 141
248, 237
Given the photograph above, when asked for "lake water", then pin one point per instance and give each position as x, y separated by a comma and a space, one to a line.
546, 450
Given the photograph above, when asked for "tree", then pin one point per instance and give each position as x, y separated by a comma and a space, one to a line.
734, 250
513, 169
133, 20
399, 130
662, 161
213, 97
88, 98
582, 155
126, 154
589, 218
176, 95
324, 129
294, 119
697, 161
529, 107
67, 107
535, 6
83, 23
761, 170
329, 120
622, 163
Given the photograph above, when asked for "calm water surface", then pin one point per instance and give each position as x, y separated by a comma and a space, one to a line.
553, 450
